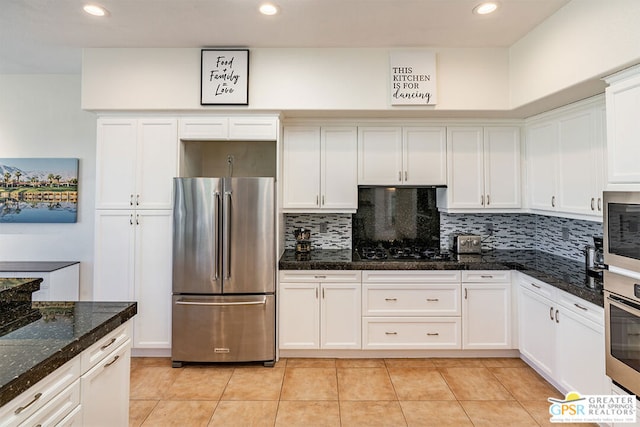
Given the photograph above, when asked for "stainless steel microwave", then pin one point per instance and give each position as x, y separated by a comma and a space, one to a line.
621, 243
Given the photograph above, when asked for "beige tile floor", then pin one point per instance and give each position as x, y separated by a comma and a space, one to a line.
340, 392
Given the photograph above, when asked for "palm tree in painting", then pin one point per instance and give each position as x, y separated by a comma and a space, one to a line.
7, 175
50, 178
18, 174
33, 180
57, 179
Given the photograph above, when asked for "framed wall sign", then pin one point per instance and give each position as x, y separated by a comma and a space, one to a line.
413, 77
224, 78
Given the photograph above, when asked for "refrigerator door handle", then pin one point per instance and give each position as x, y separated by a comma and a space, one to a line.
226, 254
184, 302
216, 237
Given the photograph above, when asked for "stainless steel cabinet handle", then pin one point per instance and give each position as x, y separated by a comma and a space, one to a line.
482, 200
465, 293
137, 219
317, 200
434, 299
316, 293
536, 286
322, 293
553, 201
406, 176
108, 344
391, 299
391, 333
131, 219
137, 199
593, 201
599, 204
551, 313
130, 199
319, 277
113, 361
557, 317
432, 334
486, 276
400, 176
22, 408
581, 307
487, 200
323, 200
221, 304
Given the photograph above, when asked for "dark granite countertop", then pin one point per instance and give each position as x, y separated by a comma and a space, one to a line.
34, 266
563, 273
16, 289
52, 333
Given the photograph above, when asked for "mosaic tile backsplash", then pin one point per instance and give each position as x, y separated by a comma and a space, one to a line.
561, 236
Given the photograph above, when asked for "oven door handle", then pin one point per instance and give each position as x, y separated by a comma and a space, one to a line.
624, 304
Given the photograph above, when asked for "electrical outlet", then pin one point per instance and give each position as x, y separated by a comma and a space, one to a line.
488, 228
323, 227
565, 233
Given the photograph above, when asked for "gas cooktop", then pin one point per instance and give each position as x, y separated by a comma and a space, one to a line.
401, 253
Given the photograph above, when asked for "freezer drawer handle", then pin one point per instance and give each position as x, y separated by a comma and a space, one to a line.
182, 302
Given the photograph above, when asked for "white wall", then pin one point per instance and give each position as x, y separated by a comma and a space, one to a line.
289, 79
586, 39
40, 116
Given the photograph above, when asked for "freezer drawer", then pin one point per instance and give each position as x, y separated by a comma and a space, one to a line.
223, 328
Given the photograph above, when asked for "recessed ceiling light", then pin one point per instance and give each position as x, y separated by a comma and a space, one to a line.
268, 9
485, 8
95, 10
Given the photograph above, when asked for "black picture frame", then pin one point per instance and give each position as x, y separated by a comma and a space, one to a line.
224, 77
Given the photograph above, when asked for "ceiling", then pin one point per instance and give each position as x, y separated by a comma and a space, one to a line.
47, 36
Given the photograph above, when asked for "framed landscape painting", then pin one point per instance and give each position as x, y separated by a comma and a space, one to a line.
38, 190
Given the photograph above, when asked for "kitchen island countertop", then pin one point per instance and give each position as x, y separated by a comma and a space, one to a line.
563, 273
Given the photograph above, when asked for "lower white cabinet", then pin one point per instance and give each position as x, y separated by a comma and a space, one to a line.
92, 389
411, 310
319, 310
486, 310
562, 336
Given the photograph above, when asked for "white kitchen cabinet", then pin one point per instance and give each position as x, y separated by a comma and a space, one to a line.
411, 155
221, 128
411, 310
319, 310
623, 128
565, 152
133, 258
486, 310
319, 169
562, 336
136, 160
483, 168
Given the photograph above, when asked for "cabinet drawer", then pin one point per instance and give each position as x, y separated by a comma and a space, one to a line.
582, 307
317, 276
111, 341
535, 285
253, 128
212, 128
439, 276
411, 300
57, 408
491, 276
29, 402
411, 333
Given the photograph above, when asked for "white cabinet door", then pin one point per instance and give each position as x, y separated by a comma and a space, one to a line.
486, 316
157, 163
299, 316
623, 127
380, 156
502, 167
576, 164
116, 163
114, 255
301, 168
465, 168
340, 316
580, 350
153, 279
424, 155
338, 171
542, 143
537, 330
105, 390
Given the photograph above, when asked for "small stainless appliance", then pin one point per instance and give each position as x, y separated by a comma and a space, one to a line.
466, 243
223, 270
621, 225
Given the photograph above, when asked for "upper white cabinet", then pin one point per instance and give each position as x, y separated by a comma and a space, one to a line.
483, 168
136, 162
320, 169
565, 151
623, 127
393, 156
217, 128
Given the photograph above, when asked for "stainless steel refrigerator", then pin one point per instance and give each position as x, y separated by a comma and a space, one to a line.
223, 270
